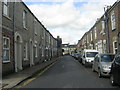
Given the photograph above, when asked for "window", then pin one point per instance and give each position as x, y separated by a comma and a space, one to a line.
113, 21
87, 39
100, 47
117, 58
115, 47
95, 33
107, 58
91, 36
35, 29
103, 27
24, 19
26, 52
6, 49
35, 50
96, 46
91, 54
5, 8
104, 46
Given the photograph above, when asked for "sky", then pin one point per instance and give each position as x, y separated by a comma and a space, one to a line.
69, 19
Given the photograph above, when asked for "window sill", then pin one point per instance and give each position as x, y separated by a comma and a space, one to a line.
103, 33
36, 34
114, 29
25, 28
25, 59
6, 62
7, 17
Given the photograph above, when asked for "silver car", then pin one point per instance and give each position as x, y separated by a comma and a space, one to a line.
102, 64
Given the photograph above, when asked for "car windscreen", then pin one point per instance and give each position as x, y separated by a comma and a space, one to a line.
91, 54
107, 58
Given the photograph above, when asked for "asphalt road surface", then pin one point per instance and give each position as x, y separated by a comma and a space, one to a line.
69, 73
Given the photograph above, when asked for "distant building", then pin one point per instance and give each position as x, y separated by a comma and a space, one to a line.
65, 47
68, 49
72, 49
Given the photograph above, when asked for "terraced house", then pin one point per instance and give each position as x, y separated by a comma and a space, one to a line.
104, 36
25, 41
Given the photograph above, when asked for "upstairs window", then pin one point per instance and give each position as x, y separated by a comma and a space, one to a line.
95, 33
87, 39
113, 21
115, 47
36, 52
24, 19
103, 27
5, 7
6, 49
35, 29
91, 36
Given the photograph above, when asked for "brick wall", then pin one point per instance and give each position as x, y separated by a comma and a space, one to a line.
9, 67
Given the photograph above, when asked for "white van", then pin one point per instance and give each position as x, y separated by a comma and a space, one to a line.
88, 56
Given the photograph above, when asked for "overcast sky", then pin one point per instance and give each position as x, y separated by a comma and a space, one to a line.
69, 19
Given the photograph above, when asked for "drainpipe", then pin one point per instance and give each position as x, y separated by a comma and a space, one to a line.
1, 52
14, 35
107, 30
118, 42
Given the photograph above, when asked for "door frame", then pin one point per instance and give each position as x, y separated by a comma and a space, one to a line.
18, 44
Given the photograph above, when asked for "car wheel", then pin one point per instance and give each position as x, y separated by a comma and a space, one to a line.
99, 73
112, 80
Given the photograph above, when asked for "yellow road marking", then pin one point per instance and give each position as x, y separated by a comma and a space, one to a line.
31, 79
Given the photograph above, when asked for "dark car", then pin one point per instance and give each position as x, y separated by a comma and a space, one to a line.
115, 71
77, 56
80, 58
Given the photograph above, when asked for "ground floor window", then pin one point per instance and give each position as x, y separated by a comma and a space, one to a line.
104, 46
6, 49
100, 47
115, 47
36, 51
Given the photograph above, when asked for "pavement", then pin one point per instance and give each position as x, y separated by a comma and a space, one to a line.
14, 79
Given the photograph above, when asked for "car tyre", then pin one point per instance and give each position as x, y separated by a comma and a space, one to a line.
112, 80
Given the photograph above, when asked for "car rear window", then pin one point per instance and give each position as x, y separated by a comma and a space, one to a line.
91, 54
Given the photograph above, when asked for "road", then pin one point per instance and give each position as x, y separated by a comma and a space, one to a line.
69, 73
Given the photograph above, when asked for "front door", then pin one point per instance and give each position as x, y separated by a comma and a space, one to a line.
31, 54
18, 55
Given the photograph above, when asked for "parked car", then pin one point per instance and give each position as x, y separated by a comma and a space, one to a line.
115, 71
102, 64
73, 54
77, 56
80, 58
88, 56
